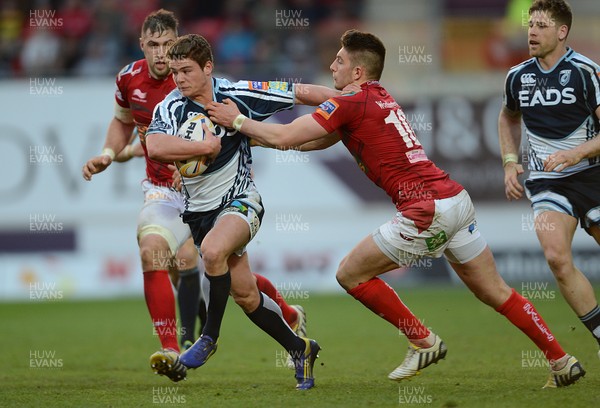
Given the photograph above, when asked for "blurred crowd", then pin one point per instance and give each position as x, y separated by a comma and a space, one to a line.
90, 38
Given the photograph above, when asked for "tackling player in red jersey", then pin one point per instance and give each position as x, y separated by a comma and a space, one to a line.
435, 215
140, 86
376, 148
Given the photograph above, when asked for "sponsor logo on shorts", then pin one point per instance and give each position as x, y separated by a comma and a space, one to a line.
436, 241
238, 207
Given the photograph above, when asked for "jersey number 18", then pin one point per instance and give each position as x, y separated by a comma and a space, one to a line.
403, 127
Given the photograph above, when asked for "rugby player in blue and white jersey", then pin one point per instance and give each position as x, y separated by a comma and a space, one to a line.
557, 95
223, 206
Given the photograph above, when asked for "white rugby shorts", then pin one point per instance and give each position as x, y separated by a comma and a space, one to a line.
161, 215
452, 232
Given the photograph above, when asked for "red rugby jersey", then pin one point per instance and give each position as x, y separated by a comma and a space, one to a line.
140, 92
374, 129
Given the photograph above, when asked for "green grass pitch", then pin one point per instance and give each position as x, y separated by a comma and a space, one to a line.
95, 354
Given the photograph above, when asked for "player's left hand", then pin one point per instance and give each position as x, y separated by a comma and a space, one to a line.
561, 160
95, 165
223, 113
176, 184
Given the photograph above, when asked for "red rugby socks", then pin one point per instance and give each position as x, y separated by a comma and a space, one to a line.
382, 300
523, 314
265, 286
161, 305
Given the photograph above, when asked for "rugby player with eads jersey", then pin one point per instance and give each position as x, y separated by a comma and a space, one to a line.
223, 206
161, 232
557, 96
435, 215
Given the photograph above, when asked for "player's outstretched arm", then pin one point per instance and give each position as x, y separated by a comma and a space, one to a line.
320, 144
168, 148
302, 130
509, 134
313, 95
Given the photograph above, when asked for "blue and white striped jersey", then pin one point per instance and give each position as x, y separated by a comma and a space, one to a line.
557, 106
228, 175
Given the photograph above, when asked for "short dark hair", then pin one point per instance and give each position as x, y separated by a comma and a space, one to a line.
365, 49
558, 10
192, 46
159, 21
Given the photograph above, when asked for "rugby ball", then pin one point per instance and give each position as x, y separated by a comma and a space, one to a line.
192, 130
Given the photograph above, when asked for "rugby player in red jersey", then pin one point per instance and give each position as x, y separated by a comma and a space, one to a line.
435, 215
161, 233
